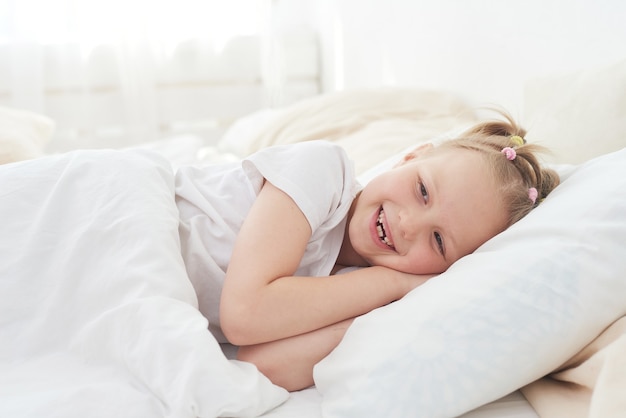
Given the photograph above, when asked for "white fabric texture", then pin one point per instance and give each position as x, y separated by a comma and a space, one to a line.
23, 134
214, 201
97, 315
370, 124
513, 311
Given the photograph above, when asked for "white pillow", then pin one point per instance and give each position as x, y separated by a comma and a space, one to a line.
513, 311
23, 134
239, 138
579, 115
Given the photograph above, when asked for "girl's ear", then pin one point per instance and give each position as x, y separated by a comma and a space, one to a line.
415, 153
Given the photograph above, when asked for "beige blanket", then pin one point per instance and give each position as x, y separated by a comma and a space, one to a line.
371, 125
592, 384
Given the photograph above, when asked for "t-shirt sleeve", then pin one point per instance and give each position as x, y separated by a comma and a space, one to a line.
317, 175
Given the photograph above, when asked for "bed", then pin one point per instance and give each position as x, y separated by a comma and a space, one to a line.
99, 319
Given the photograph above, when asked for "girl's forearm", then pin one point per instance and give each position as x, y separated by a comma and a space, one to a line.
289, 362
291, 306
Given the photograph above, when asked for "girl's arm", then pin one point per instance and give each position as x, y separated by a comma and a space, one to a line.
262, 301
289, 362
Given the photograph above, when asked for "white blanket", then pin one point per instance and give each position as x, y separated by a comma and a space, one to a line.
97, 316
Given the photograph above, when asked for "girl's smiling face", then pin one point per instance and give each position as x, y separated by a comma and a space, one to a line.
421, 216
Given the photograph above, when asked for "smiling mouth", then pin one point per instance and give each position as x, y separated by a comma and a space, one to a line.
380, 228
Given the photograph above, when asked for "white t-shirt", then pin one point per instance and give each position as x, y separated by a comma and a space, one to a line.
213, 202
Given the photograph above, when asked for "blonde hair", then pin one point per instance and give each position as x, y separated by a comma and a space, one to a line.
514, 177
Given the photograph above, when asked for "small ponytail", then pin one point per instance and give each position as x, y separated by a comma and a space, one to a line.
516, 176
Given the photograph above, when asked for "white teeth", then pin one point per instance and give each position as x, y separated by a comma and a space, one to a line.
381, 230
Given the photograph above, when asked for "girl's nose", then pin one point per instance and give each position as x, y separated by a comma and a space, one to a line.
410, 224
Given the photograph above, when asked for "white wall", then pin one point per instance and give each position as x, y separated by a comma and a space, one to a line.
482, 49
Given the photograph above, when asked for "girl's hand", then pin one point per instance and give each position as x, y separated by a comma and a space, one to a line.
411, 281
403, 282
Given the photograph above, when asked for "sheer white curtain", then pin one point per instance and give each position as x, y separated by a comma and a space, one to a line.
119, 72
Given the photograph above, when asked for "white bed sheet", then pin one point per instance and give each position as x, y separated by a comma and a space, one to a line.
307, 404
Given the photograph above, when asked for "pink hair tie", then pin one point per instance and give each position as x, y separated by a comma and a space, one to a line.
532, 194
509, 153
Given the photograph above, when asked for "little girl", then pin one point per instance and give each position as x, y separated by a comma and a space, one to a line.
262, 239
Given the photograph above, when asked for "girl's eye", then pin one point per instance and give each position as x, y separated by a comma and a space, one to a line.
440, 245
423, 191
